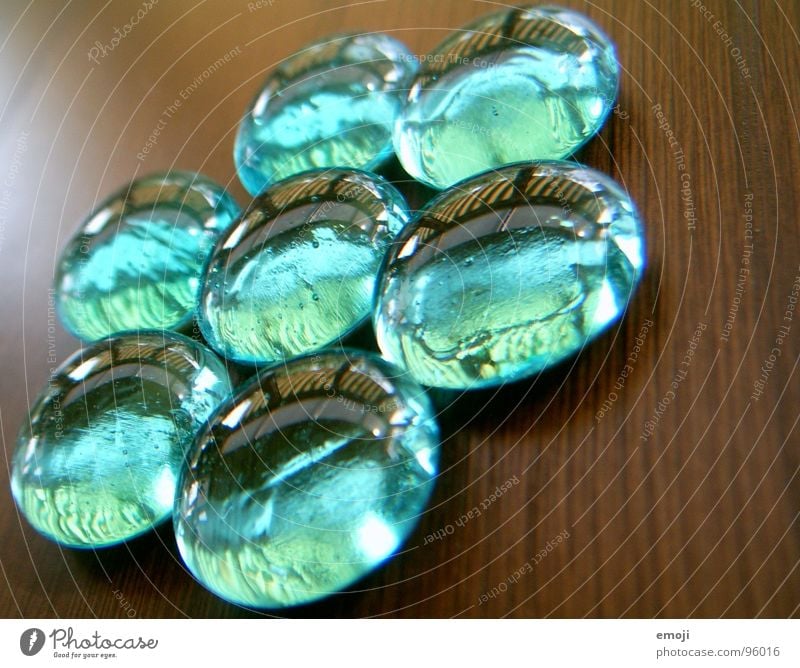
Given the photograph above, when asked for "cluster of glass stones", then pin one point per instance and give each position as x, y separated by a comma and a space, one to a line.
294, 484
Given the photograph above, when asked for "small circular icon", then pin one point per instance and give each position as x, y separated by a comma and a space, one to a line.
31, 641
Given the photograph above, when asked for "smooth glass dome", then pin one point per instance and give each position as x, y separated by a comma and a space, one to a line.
333, 104
298, 270
98, 460
508, 273
521, 84
308, 479
135, 263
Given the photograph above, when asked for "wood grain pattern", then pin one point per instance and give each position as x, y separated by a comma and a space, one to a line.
697, 518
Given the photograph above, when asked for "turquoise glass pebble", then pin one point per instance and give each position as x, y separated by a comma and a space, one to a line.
98, 460
135, 263
298, 270
308, 479
332, 104
520, 84
508, 273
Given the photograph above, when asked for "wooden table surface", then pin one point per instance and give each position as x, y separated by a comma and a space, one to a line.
667, 487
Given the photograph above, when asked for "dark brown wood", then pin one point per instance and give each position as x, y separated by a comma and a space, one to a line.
698, 518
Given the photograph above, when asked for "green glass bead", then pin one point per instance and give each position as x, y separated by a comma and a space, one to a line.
136, 261
308, 479
333, 104
298, 270
520, 84
508, 273
98, 459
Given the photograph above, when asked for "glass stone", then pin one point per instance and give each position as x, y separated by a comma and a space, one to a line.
521, 84
298, 270
136, 261
98, 460
507, 274
308, 479
332, 104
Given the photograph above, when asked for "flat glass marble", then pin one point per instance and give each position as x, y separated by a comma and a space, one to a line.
312, 476
298, 270
98, 459
521, 84
333, 104
508, 273
136, 261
